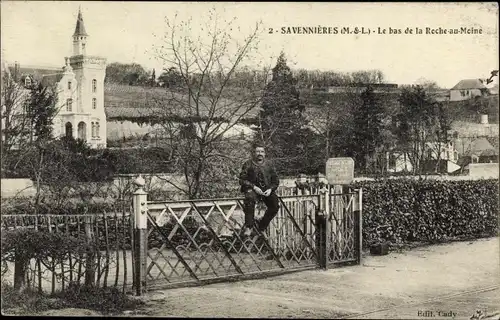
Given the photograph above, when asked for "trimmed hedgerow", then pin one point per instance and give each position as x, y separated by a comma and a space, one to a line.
405, 210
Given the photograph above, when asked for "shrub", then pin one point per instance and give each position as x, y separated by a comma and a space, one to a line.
142, 160
22, 245
28, 207
27, 301
407, 210
106, 300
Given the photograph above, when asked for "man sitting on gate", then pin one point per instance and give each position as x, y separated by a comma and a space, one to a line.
259, 181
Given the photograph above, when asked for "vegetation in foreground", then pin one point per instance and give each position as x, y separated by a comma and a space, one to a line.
30, 301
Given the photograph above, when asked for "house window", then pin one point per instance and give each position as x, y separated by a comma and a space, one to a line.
93, 129
69, 105
83, 46
97, 129
27, 81
94, 85
94, 103
69, 85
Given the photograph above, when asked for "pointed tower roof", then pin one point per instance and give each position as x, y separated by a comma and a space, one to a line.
80, 27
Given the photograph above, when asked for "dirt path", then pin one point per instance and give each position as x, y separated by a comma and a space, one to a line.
398, 285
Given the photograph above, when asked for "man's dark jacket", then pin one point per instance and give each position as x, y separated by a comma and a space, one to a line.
248, 176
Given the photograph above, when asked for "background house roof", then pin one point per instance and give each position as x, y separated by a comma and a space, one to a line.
37, 73
481, 147
494, 141
51, 80
469, 84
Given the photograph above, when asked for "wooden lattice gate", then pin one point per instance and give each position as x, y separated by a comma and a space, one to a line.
192, 242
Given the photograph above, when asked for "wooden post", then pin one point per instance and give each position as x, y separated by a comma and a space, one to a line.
358, 226
321, 229
305, 221
90, 266
328, 227
141, 234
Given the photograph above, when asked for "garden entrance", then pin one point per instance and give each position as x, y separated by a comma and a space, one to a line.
193, 242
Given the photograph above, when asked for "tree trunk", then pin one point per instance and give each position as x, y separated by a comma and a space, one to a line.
20, 268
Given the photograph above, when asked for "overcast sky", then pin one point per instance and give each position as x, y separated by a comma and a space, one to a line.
39, 33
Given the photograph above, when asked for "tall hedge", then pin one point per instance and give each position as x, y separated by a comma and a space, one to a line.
407, 210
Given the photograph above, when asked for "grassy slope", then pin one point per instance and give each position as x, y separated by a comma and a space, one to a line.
134, 101
129, 101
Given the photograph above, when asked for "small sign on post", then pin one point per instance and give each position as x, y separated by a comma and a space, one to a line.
339, 171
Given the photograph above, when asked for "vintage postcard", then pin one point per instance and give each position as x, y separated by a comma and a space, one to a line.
250, 160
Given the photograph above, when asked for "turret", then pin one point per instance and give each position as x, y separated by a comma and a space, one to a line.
79, 36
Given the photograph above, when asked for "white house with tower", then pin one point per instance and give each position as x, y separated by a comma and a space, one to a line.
80, 89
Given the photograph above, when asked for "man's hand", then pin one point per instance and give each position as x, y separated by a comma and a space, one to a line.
258, 190
267, 193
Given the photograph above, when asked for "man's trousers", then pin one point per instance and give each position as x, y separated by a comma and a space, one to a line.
272, 204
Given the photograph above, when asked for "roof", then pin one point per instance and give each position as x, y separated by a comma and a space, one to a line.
489, 153
469, 84
481, 147
494, 141
80, 27
51, 79
37, 73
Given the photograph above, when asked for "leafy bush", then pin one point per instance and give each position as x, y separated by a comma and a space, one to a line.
28, 301
142, 160
106, 300
50, 249
407, 210
64, 159
22, 245
28, 207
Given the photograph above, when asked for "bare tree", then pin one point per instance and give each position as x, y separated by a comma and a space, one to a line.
416, 123
14, 124
209, 104
441, 138
336, 113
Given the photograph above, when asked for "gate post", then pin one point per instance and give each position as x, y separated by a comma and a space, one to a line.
358, 226
321, 229
141, 235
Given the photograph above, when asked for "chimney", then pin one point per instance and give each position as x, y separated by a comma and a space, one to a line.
484, 119
17, 68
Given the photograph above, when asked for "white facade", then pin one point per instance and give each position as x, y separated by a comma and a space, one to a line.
81, 94
80, 91
467, 89
464, 94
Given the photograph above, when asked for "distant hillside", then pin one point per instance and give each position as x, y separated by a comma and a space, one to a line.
123, 102
132, 102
